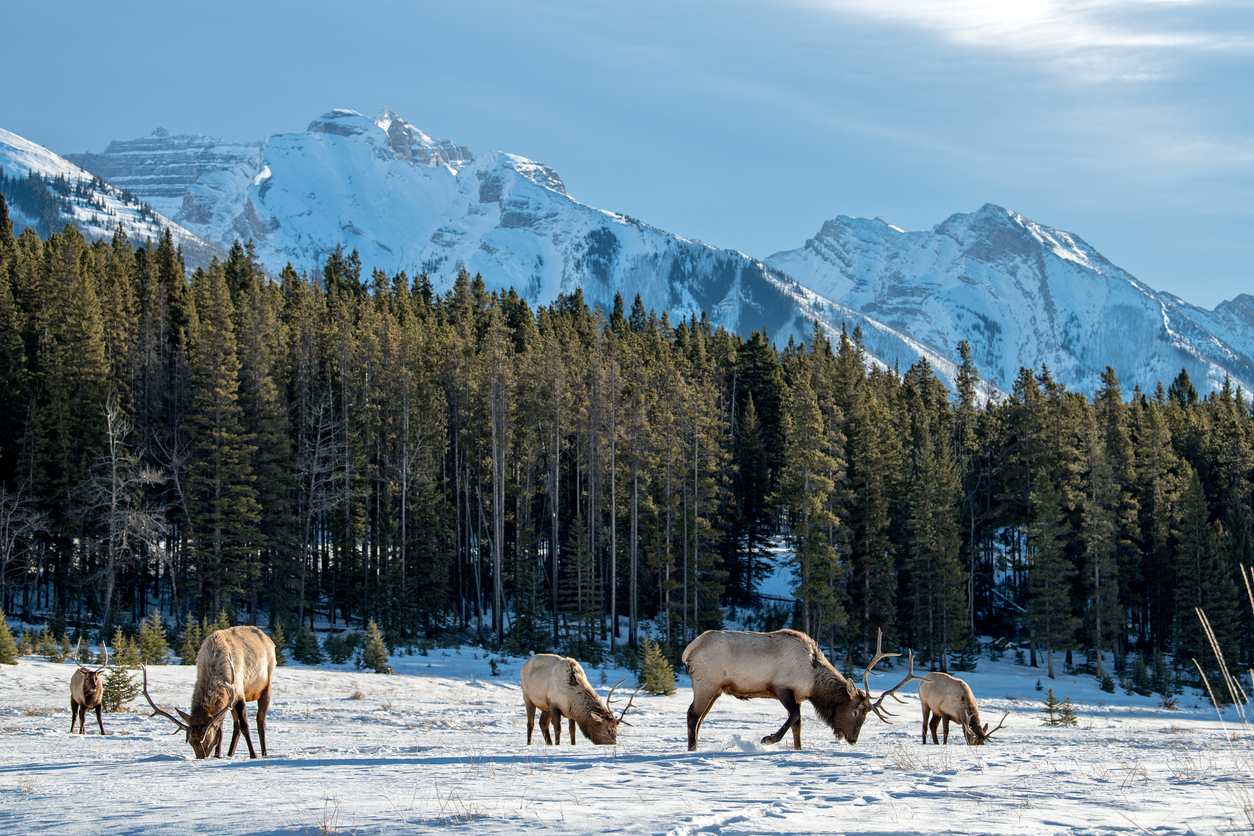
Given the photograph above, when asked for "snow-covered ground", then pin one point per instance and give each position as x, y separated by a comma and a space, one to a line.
443, 743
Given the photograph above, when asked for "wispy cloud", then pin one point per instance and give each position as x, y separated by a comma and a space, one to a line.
1105, 39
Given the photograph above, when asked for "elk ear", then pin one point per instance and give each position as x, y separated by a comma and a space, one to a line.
187, 718
851, 689
985, 729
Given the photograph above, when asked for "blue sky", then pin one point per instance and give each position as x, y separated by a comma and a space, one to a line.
745, 124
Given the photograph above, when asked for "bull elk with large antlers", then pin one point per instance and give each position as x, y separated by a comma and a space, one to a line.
234, 667
557, 686
949, 698
785, 665
87, 692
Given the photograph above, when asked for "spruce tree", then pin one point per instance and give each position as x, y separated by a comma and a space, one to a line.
8, 649
125, 653
656, 674
222, 501
120, 687
305, 647
189, 641
374, 654
1203, 581
805, 487
280, 642
151, 642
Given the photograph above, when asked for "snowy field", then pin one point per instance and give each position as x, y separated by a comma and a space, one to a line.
441, 746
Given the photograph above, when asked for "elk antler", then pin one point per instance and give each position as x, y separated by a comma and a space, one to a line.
105, 648
629, 702
155, 710
609, 698
879, 654
989, 734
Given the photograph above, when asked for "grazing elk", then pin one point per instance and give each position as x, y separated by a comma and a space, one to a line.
556, 685
785, 665
234, 667
949, 698
87, 692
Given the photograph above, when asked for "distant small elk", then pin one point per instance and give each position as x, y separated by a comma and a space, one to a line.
785, 665
86, 693
557, 686
949, 698
234, 667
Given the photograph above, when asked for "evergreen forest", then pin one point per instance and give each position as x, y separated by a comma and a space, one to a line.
337, 448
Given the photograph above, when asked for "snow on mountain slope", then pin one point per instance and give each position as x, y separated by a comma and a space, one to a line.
93, 206
1022, 294
407, 202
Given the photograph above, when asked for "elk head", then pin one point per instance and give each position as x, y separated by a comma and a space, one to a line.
602, 727
849, 722
204, 731
977, 735
93, 682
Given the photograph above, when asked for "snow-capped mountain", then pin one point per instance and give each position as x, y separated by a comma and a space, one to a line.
60, 192
407, 202
1023, 294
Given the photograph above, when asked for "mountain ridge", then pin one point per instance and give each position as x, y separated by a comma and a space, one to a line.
1022, 293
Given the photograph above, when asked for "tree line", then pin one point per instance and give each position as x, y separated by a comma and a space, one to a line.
335, 448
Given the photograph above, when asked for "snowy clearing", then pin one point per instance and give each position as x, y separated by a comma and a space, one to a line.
443, 743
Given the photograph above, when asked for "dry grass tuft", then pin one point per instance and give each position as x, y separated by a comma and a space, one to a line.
909, 759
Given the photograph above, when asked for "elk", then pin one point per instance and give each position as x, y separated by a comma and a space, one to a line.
949, 698
87, 692
785, 665
557, 686
234, 667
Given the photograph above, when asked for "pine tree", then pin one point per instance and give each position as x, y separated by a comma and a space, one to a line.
8, 650
374, 654
656, 674
152, 646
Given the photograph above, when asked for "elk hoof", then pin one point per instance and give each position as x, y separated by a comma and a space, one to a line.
772, 738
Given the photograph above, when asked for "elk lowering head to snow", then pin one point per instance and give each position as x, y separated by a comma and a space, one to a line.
556, 685
785, 665
234, 667
87, 692
949, 698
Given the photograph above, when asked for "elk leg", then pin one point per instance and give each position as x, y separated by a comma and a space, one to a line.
73, 715
936, 719
926, 714
697, 717
241, 725
572, 730
945, 726
531, 720
544, 726
555, 714
794, 718
99, 722
263, 705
